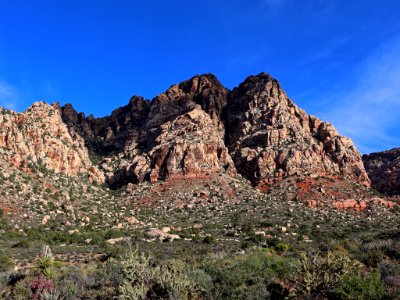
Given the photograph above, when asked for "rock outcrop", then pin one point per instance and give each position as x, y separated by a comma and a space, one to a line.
383, 169
189, 146
270, 138
39, 136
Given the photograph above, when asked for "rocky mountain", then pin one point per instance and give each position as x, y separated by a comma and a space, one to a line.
198, 127
383, 169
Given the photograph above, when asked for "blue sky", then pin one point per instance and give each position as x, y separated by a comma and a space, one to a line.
337, 59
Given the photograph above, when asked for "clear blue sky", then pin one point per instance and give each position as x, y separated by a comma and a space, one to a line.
337, 59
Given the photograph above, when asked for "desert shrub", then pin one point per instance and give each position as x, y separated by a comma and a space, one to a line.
21, 290
39, 285
202, 280
319, 274
209, 239
92, 281
360, 286
390, 275
143, 279
282, 247
6, 263
248, 227
45, 266
371, 258
241, 276
246, 244
277, 291
24, 243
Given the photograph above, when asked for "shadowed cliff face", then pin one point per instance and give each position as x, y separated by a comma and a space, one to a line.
198, 127
383, 169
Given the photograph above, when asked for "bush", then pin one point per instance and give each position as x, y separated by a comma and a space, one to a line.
142, 279
6, 263
319, 274
282, 247
21, 290
358, 286
40, 284
24, 243
209, 239
246, 276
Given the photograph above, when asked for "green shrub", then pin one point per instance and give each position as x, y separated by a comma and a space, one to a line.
282, 247
24, 243
21, 290
6, 263
360, 287
209, 239
142, 279
246, 276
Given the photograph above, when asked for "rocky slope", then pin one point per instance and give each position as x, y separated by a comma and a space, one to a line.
383, 169
182, 133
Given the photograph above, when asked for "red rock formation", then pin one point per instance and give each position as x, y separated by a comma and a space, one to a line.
350, 204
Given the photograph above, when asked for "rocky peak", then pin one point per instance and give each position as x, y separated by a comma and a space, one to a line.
270, 138
204, 90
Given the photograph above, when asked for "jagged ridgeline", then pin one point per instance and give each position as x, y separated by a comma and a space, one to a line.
199, 127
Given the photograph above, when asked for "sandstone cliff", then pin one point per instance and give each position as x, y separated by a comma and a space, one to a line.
39, 136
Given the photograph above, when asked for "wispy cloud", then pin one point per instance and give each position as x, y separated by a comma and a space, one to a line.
324, 52
8, 95
370, 112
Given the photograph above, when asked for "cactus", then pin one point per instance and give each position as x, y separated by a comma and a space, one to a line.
144, 280
320, 274
138, 276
